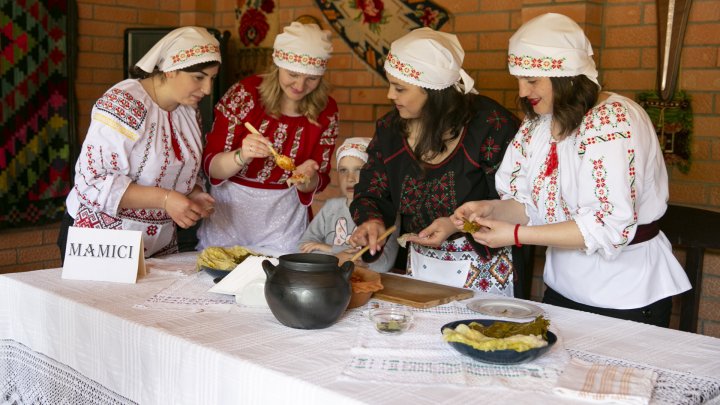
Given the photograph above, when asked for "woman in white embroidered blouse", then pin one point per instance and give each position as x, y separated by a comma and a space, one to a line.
140, 164
584, 176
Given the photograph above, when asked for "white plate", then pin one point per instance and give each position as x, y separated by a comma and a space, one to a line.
505, 308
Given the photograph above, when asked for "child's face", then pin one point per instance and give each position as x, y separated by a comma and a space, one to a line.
349, 174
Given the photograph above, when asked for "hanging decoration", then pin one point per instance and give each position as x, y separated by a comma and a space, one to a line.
36, 110
369, 26
673, 123
257, 26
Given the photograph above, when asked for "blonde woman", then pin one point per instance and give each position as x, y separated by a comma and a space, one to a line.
258, 203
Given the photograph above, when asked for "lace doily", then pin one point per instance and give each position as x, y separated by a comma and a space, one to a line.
28, 377
190, 293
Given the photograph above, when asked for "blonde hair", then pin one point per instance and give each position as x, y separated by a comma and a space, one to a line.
310, 106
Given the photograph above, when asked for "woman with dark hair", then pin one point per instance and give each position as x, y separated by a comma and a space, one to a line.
258, 203
139, 167
584, 176
437, 149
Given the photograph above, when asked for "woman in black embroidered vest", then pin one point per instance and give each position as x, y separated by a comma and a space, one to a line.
140, 164
584, 176
437, 149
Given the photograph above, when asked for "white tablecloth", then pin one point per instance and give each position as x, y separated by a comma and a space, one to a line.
109, 334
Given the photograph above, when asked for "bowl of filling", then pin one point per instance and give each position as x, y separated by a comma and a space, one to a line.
500, 342
391, 321
364, 283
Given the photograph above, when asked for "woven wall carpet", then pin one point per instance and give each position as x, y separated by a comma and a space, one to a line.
37, 115
370, 26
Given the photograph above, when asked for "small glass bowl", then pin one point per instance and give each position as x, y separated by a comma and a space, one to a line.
391, 321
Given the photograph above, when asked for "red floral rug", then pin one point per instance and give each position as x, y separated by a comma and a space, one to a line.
370, 26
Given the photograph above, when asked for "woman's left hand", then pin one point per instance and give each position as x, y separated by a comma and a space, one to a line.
309, 169
435, 234
205, 201
493, 233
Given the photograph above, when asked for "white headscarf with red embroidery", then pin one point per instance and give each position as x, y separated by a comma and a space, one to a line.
355, 147
551, 45
429, 59
181, 48
303, 48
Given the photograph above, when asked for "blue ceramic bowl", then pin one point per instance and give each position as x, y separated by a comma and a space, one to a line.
497, 356
217, 274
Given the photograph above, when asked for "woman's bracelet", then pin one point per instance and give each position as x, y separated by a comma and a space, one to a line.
517, 242
237, 157
165, 200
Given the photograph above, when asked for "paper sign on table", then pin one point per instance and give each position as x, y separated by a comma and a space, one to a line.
104, 255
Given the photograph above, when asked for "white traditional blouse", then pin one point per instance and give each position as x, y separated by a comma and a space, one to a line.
610, 178
132, 140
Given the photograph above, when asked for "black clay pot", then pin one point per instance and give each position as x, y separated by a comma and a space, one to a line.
307, 290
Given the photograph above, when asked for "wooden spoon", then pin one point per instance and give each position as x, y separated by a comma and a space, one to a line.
365, 249
284, 162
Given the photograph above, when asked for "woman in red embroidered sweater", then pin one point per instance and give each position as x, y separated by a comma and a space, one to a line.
439, 148
258, 203
139, 168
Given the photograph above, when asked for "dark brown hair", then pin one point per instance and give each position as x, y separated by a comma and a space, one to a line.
572, 98
444, 110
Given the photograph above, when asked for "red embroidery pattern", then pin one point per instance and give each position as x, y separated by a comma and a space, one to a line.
599, 174
87, 218
423, 200
305, 59
194, 52
404, 68
151, 230
489, 148
496, 120
123, 106
609, 121
146, 152
528, 62
166, 152
633, 196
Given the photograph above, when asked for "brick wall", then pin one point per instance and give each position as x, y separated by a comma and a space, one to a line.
622, 32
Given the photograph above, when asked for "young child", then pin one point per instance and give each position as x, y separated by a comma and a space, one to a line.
330, 230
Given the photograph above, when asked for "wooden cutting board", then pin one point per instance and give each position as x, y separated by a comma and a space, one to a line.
418, 293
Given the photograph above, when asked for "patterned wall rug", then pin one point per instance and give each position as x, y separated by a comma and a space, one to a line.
37, 115
370, 26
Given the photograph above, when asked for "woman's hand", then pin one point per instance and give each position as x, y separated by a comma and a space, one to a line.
367, 234
309, 247
309, 169
185, 211
470, 211
255, 146
435, 234
494, 233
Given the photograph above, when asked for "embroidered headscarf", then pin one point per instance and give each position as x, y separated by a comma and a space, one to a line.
429, 59
181, 48
551, 45
303, 48
355, 147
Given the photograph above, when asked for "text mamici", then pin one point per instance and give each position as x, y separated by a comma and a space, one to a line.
100, 250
